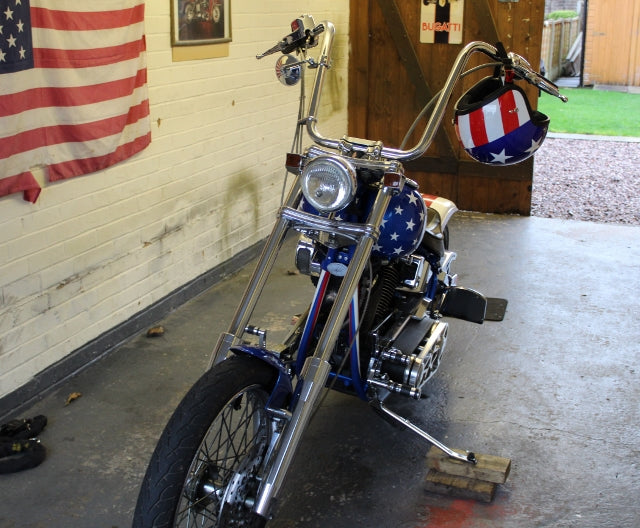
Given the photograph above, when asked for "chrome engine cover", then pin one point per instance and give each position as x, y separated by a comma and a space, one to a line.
409, 361
420, 362
426, 360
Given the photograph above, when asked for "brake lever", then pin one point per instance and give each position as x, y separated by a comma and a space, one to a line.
289, 43
302, 36
522, 69
270, 51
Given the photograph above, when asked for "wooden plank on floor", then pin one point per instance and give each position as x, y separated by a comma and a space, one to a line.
459, 487
489, 468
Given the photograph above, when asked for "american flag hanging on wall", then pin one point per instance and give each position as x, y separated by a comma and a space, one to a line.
73, 88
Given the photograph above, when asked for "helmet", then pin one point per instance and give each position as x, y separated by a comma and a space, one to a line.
495, 124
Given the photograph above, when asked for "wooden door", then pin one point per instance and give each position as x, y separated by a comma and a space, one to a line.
392, 75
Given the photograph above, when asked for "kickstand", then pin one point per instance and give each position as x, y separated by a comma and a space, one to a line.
470, 457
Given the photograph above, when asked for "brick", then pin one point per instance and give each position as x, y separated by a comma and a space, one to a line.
216, 124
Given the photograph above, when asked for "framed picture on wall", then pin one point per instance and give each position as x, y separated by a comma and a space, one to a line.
197, 22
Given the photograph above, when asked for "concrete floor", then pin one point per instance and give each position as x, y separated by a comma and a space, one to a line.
555, 387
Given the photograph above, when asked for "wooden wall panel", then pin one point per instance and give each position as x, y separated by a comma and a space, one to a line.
386, 92
358, 69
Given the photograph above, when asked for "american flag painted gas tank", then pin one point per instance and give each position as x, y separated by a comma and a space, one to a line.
403, 224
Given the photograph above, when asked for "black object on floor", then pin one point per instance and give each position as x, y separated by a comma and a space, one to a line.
19, 455
20, 448
22, 429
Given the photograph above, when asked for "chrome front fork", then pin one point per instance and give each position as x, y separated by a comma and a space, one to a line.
257, 282
316, 369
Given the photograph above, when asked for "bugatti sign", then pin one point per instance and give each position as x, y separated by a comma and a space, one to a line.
441, 21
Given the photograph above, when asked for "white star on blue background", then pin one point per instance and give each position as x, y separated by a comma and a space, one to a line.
500, 158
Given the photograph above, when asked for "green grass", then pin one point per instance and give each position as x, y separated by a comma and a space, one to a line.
555, 15
591, 111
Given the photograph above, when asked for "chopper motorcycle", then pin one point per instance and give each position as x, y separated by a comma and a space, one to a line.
377, 252
202, 10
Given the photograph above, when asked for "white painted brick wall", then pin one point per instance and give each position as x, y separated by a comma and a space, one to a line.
95, 250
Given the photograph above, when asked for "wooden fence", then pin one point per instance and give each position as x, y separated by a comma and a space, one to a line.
559, 38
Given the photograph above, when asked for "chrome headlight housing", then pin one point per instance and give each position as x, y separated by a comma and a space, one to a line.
328, 183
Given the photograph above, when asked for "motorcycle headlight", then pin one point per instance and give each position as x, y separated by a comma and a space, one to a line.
328, 184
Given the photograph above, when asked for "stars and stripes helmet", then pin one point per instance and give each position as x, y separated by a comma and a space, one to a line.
495, 124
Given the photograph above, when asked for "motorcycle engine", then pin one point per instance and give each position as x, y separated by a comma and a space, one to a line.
394, 370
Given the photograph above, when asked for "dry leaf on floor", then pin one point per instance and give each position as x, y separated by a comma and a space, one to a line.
156, 331
73, 396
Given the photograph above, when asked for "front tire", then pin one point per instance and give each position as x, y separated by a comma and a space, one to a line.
210, 458
189, 12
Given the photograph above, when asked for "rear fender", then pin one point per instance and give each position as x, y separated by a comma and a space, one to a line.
283, 387
440, 212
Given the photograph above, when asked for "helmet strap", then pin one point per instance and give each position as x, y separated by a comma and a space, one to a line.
503, 72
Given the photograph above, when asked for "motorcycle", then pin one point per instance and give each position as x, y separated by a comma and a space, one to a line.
202, 10
377, 252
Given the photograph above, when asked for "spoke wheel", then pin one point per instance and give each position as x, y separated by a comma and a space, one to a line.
189, 12
210, 460
223, 476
